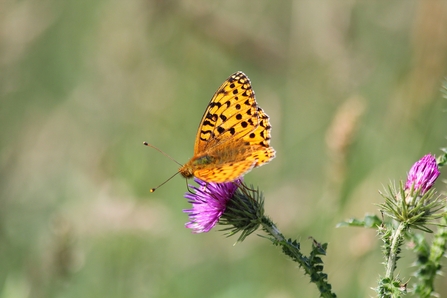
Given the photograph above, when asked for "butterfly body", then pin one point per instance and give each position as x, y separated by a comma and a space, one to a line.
233, 136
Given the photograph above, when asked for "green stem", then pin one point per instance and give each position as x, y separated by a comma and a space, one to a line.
312, 265
431, 266
270, 228
396, 241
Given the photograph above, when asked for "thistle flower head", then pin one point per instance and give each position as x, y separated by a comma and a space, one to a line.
209, 201
416, 203
423, 174
232, 204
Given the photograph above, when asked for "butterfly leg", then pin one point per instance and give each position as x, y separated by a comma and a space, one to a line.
187, 187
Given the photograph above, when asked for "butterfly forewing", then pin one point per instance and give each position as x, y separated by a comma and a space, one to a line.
231, 113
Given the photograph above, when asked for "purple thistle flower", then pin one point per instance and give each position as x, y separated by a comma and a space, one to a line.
209, 201
423, 174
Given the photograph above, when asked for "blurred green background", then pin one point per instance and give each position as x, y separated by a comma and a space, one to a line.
352, 89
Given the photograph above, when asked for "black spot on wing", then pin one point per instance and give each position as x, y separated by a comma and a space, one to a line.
215, 104
206, 122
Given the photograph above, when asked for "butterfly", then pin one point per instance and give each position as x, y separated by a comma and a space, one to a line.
233, 135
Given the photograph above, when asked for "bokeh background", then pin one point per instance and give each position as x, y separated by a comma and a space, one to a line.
353, 89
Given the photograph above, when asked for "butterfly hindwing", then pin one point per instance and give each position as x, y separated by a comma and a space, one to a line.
225, 172
261, 137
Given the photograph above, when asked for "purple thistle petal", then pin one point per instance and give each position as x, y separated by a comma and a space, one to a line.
209, 201
423, 174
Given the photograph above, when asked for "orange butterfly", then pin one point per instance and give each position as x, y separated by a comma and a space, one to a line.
233, 135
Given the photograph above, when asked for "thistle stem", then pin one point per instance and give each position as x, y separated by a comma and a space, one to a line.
396, 241
430, 268
271, 228
312, 265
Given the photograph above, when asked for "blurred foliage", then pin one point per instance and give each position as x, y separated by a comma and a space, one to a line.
352, 89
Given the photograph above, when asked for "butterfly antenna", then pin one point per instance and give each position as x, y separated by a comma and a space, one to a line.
165, 154
153, 189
